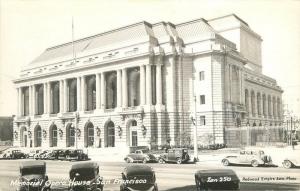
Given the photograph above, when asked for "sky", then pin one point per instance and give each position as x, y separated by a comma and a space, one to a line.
28, 27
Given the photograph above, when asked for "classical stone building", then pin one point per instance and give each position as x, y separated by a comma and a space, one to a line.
140, 85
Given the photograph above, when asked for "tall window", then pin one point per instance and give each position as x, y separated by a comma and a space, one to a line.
72, 95
110, 134
89, 135
134, 138
53, 136
38, 136
71, 136
40, 99
25, 101
91, 93
55, 97
202, 120
202, 99
201, 75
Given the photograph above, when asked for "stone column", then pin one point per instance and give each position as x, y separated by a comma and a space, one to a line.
142, 85
230, 81
271, 106
19, 106
83, 93
66, 96
78, 92
148, 85
119, 88
45, 99
274, 107
98, 86
103, 91
249, 103
61, 96
124, 88
30, 100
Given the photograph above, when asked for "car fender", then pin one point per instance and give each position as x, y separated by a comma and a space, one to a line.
128, 157
231, 158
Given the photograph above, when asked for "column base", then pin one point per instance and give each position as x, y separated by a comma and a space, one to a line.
160, 108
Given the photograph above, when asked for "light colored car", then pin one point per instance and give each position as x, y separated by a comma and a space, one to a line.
33, 153
252, 157
142, 155
292, 161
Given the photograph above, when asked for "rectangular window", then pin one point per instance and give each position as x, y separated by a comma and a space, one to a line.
201, 75
25, 101
202, 120
202, 99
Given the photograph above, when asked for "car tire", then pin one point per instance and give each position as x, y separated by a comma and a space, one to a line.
161, 161
179, 161
225, 162
144, 161
287, 164
254, 163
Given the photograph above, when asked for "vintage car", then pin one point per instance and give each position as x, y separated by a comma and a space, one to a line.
33, 176
43, 155
219, 179
138, 177
14, 154
142, 155
178, 155
291, 161
76, 154
85, 176
58, 154
33, 153
252, 157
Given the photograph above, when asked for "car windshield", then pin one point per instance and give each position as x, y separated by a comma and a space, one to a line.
33, 170
82, 174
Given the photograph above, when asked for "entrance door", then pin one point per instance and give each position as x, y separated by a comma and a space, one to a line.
25, 140
134, 138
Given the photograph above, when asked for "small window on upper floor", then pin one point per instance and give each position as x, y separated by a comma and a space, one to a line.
201, 76
202, 99
202, 120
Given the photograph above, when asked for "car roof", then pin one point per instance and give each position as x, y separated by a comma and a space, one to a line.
84, 165
216, 172
29, 164
138, 170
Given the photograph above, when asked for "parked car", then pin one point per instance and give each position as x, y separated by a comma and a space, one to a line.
76, 154
85, 176
252, 157
138, 177
142, 155
57, 154
42, 155
33, 176
33, 153
14, 154
219, 179
291, 161
178, 155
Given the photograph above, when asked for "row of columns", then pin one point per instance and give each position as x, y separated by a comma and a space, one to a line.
259, 105
122, 98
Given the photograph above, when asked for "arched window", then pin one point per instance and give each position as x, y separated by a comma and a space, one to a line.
111, 90
23, 136
55, 97
72, 95
110, 134
89, 135
133, 87
91, 92
37, 136
53, 136
70, 135
40, 99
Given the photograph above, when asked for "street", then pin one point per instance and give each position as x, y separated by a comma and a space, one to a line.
172, 177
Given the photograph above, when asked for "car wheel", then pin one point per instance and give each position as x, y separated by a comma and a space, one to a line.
179, 161
225, 162
287, 164
144, 160
254, 163
128, 160
161, 161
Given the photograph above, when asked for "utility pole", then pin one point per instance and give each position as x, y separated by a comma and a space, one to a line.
195, 130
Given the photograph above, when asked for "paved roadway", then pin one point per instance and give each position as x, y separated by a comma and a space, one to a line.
171, 177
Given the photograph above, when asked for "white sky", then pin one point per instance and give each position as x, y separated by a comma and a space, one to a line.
28, 27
